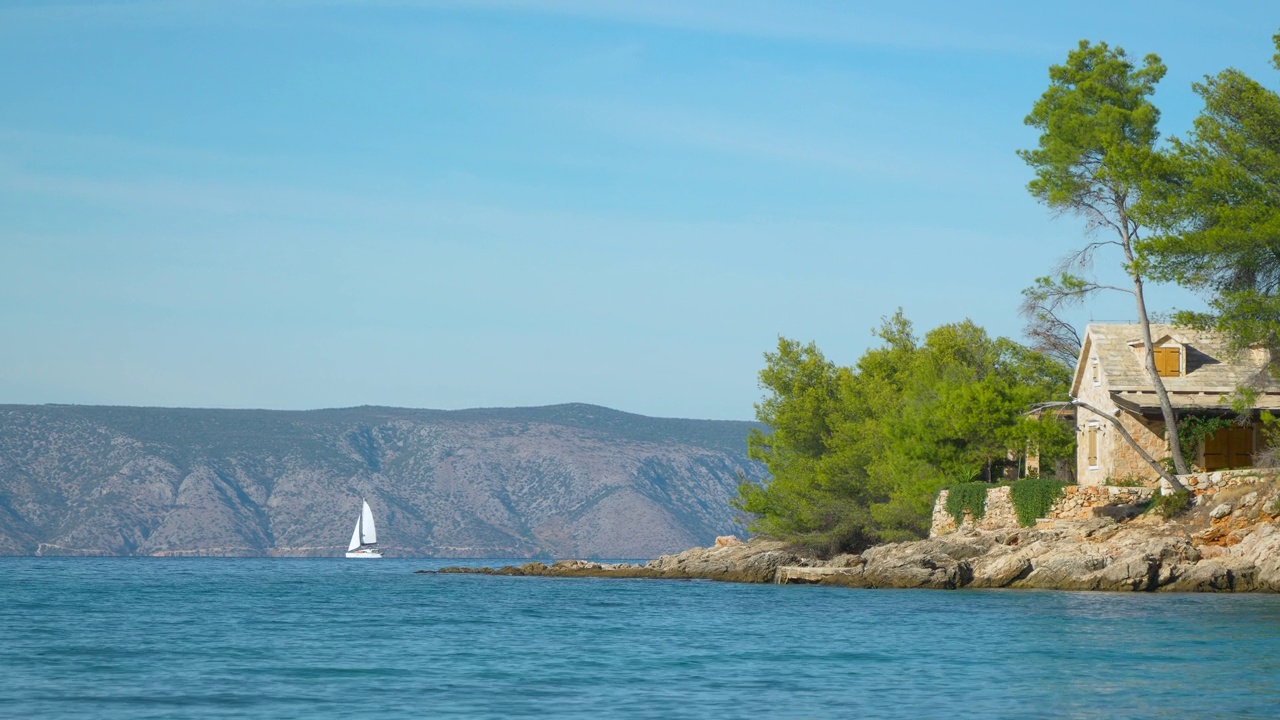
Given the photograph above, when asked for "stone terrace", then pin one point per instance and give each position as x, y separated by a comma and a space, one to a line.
1084, 502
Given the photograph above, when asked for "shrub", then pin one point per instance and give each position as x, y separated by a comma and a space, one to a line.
848, 535
967, 496
1032, 498
1193, 429
1167, 506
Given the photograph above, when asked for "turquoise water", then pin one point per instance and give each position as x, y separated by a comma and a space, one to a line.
143, 638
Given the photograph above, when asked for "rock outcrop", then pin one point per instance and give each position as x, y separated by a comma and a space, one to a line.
754, 562
1206, 550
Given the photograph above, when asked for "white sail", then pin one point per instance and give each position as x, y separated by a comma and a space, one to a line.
355, 536
368, 533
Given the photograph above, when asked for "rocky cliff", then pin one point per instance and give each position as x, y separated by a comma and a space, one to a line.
568, 480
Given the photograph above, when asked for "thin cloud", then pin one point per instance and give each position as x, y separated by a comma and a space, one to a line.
409, 215
842, 23
15, 140
836, 23
688, 129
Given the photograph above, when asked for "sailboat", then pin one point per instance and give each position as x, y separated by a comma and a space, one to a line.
364, 540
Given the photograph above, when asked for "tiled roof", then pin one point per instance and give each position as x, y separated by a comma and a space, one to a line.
1212, 370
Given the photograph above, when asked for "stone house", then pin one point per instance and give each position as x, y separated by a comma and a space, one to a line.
1199, 373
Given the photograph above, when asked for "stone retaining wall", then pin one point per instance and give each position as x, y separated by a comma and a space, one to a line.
1078, 502
1082, 502
1211, 483
999, 514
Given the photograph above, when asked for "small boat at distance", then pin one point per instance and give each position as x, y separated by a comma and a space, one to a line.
364, 540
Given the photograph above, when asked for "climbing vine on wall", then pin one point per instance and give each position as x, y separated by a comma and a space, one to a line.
968, 496
1193, 429
1032, 498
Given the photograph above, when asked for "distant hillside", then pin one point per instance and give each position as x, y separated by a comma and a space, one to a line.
565, 480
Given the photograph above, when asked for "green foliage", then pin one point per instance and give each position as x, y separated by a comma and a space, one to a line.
1193, 429
857, 454
1095, 158
1268, 454
1098, 128
970, 497
1126, 481
1053, 438
1215, 204
1032, 498
822, 521
1168, 506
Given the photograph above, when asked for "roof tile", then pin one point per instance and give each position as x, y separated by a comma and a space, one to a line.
1211, 367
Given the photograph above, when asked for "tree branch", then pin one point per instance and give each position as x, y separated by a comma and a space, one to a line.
1167, 476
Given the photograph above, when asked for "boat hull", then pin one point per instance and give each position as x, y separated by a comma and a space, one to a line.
369, 554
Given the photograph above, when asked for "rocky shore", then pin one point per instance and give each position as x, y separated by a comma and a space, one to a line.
1233, 546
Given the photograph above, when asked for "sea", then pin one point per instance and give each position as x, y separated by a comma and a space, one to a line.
331, 638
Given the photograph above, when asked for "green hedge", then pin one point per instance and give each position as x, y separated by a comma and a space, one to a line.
1033, 497
968, 496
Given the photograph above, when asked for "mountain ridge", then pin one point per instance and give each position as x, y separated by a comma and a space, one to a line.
558, 480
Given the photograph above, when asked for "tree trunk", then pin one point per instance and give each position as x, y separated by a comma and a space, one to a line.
1166, 406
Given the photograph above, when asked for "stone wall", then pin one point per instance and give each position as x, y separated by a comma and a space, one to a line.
1078, 502
1117, 460
1209, 484
1122, 462
999, 513
1082, 502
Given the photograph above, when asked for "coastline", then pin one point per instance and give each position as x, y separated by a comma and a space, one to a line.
1230, 547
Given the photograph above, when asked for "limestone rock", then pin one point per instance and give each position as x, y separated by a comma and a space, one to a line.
998, 570
1220, 575
1238, 555
1221, 511
923, 564
757, 561
1261, 550
846, 560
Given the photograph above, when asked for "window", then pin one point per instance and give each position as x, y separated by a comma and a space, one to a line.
1097, 373
1093, 445
1168, 361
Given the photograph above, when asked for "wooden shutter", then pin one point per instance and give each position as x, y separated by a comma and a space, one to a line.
1168, 361
1215, 450
1240, 447
1230, 447
1093, 446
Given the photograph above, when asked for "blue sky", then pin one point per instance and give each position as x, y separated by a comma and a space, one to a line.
305, 204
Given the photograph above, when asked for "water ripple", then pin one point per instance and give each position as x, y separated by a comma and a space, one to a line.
206, 638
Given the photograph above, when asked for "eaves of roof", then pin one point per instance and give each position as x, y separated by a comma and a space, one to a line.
1147, 402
